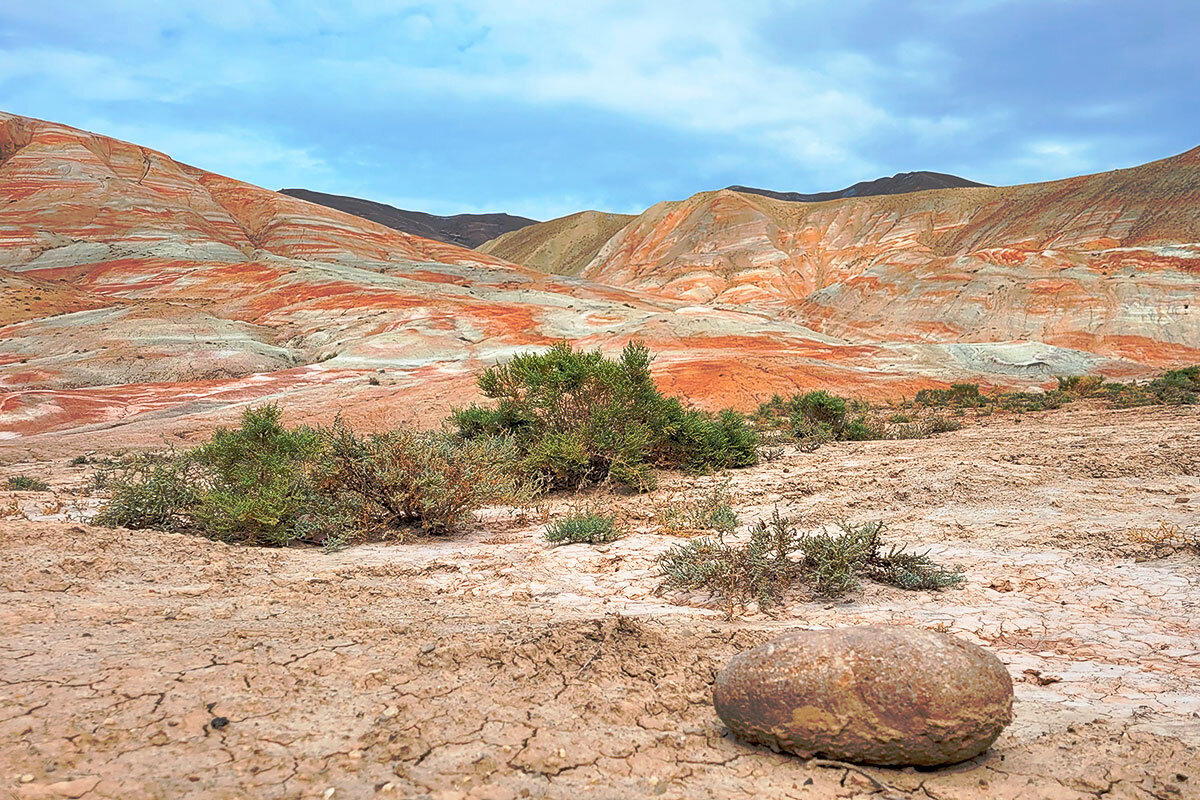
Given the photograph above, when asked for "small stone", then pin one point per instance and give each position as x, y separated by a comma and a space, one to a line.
26, 778
218, 722
428, 647
329, 793
872, 694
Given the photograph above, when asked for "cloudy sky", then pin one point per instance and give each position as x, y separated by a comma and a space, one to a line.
545, 108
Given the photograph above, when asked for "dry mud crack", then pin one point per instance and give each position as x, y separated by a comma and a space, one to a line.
149, 665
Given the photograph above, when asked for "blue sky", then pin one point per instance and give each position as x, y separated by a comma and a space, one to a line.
545, 108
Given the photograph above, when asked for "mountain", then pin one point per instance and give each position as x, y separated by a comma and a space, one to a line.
464, 230
1105, 263
900, 183
147, 300
563, 246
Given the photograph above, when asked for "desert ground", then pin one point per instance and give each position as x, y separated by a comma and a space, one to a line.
138, 664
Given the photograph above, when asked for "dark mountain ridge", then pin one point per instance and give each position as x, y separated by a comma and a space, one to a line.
900, 183
464, 230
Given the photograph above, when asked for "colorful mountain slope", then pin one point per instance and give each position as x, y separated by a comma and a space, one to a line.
144, 297
1108, 263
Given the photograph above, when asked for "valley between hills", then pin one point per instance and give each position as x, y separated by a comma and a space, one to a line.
147, 302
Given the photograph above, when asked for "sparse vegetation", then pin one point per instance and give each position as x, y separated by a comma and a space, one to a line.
1175, 387
265, 484
590, 527
1167, 538
763, 568
712, 511
26, 483
578, 417
817, 418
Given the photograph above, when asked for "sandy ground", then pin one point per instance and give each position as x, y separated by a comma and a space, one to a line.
149, 665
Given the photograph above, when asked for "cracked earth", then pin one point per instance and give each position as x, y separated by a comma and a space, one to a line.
137, 664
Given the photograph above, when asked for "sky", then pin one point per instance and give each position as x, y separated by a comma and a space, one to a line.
547, 108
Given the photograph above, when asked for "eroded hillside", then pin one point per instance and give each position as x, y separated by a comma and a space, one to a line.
156, 297
1106, 263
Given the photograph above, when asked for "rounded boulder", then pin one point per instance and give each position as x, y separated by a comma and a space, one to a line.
871, 694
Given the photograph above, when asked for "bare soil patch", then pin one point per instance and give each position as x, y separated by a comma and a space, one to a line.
137, 664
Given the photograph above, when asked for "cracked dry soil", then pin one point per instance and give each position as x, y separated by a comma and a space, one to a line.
136, 664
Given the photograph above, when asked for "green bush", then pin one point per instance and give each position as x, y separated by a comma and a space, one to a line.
264, 484
587, 528
961, 395
26, 483
578, 417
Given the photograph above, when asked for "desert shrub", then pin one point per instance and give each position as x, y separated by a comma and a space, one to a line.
834, 562
149, 490
922, 427
1080, 385
963, 395
264, 484
816, 418
26, 483
758, 570
712, 511
578, 417
589, 528
1174, 387
1178, 386
830, 564
405, 476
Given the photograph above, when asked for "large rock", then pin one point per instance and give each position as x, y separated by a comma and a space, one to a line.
877, 694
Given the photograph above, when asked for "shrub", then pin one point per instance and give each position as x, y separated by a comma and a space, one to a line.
406, 476
758, 570
578, 417
26, 483
834, 562
149, 490
1178, 386
587, 528
264, 484
962, 395
815, 418
763, 568
712, 511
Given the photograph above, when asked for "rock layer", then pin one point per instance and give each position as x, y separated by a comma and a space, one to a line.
1106, 263
876, 694
139, 289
